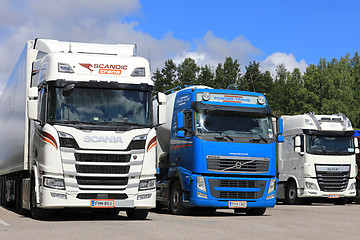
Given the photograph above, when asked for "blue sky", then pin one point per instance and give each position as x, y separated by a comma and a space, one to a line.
296, 33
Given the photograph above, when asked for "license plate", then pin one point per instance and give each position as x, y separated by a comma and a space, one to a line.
333, 196
237, 204
102, 203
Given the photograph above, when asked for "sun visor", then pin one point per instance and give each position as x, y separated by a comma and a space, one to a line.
258, 111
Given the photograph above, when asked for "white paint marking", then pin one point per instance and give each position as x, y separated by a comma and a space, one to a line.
4, 223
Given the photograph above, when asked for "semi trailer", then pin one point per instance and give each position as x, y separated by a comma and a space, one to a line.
217, 149
78, 132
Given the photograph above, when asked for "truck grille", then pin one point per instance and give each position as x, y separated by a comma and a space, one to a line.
101, 169
226, 194
102, 181
86, 157
102, 196
334, 180
237, 164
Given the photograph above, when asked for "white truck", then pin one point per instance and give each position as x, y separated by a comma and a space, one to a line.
317, 159
76, 121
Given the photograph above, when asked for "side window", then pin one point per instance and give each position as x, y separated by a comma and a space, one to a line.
42, 104
188, 123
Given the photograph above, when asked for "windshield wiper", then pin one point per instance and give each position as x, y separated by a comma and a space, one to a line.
222, 135
261, 137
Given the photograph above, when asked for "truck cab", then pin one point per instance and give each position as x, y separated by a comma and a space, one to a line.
217, 150
317, 159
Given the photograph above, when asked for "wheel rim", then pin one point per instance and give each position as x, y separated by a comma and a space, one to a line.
292, 193
176, 199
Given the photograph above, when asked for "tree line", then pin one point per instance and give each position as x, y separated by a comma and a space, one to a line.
326, 88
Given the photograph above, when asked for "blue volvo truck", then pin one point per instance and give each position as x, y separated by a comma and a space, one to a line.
217, 149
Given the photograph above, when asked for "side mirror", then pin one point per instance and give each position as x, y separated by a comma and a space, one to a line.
161, 98
356, 142
297, 141
161, 114
280, 126
298, 146
161, 111
356, 145
33, 92
180, 120
280, 138
33, 109
180, 134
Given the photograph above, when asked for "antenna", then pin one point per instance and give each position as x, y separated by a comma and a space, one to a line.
70, 47
149, 58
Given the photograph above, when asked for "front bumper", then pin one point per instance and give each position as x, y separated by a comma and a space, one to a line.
316, 193
221, 191
55, 199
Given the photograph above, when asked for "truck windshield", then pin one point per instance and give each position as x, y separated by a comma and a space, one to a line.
98, 106
329, 145
234, 124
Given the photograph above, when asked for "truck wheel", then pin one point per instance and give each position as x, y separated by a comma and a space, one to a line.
37, 213
291, 194
137, 214
255, 211
176, 206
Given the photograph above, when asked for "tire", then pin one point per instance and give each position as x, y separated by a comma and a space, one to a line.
176, 205
255, 211
291, 194
357, 198
37, 213
137, 214
341, 201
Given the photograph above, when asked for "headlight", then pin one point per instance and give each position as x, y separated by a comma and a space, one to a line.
200, 183
352, 186
56, 183
272, 185
206, 96
261, 100
311, 186
147, 184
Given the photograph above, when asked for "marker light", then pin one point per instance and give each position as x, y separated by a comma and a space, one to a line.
261, 100
138, 72
206, 96
65, 68
309, 122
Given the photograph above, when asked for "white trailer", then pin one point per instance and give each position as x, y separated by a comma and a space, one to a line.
317, 159
76, 121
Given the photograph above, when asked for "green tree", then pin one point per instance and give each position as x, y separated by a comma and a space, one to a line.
187, 72
227, 74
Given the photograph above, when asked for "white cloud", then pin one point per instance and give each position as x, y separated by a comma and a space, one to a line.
99, 21
212, 50
289, 61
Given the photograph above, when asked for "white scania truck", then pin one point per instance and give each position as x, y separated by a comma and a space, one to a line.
76, 121
317, 159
